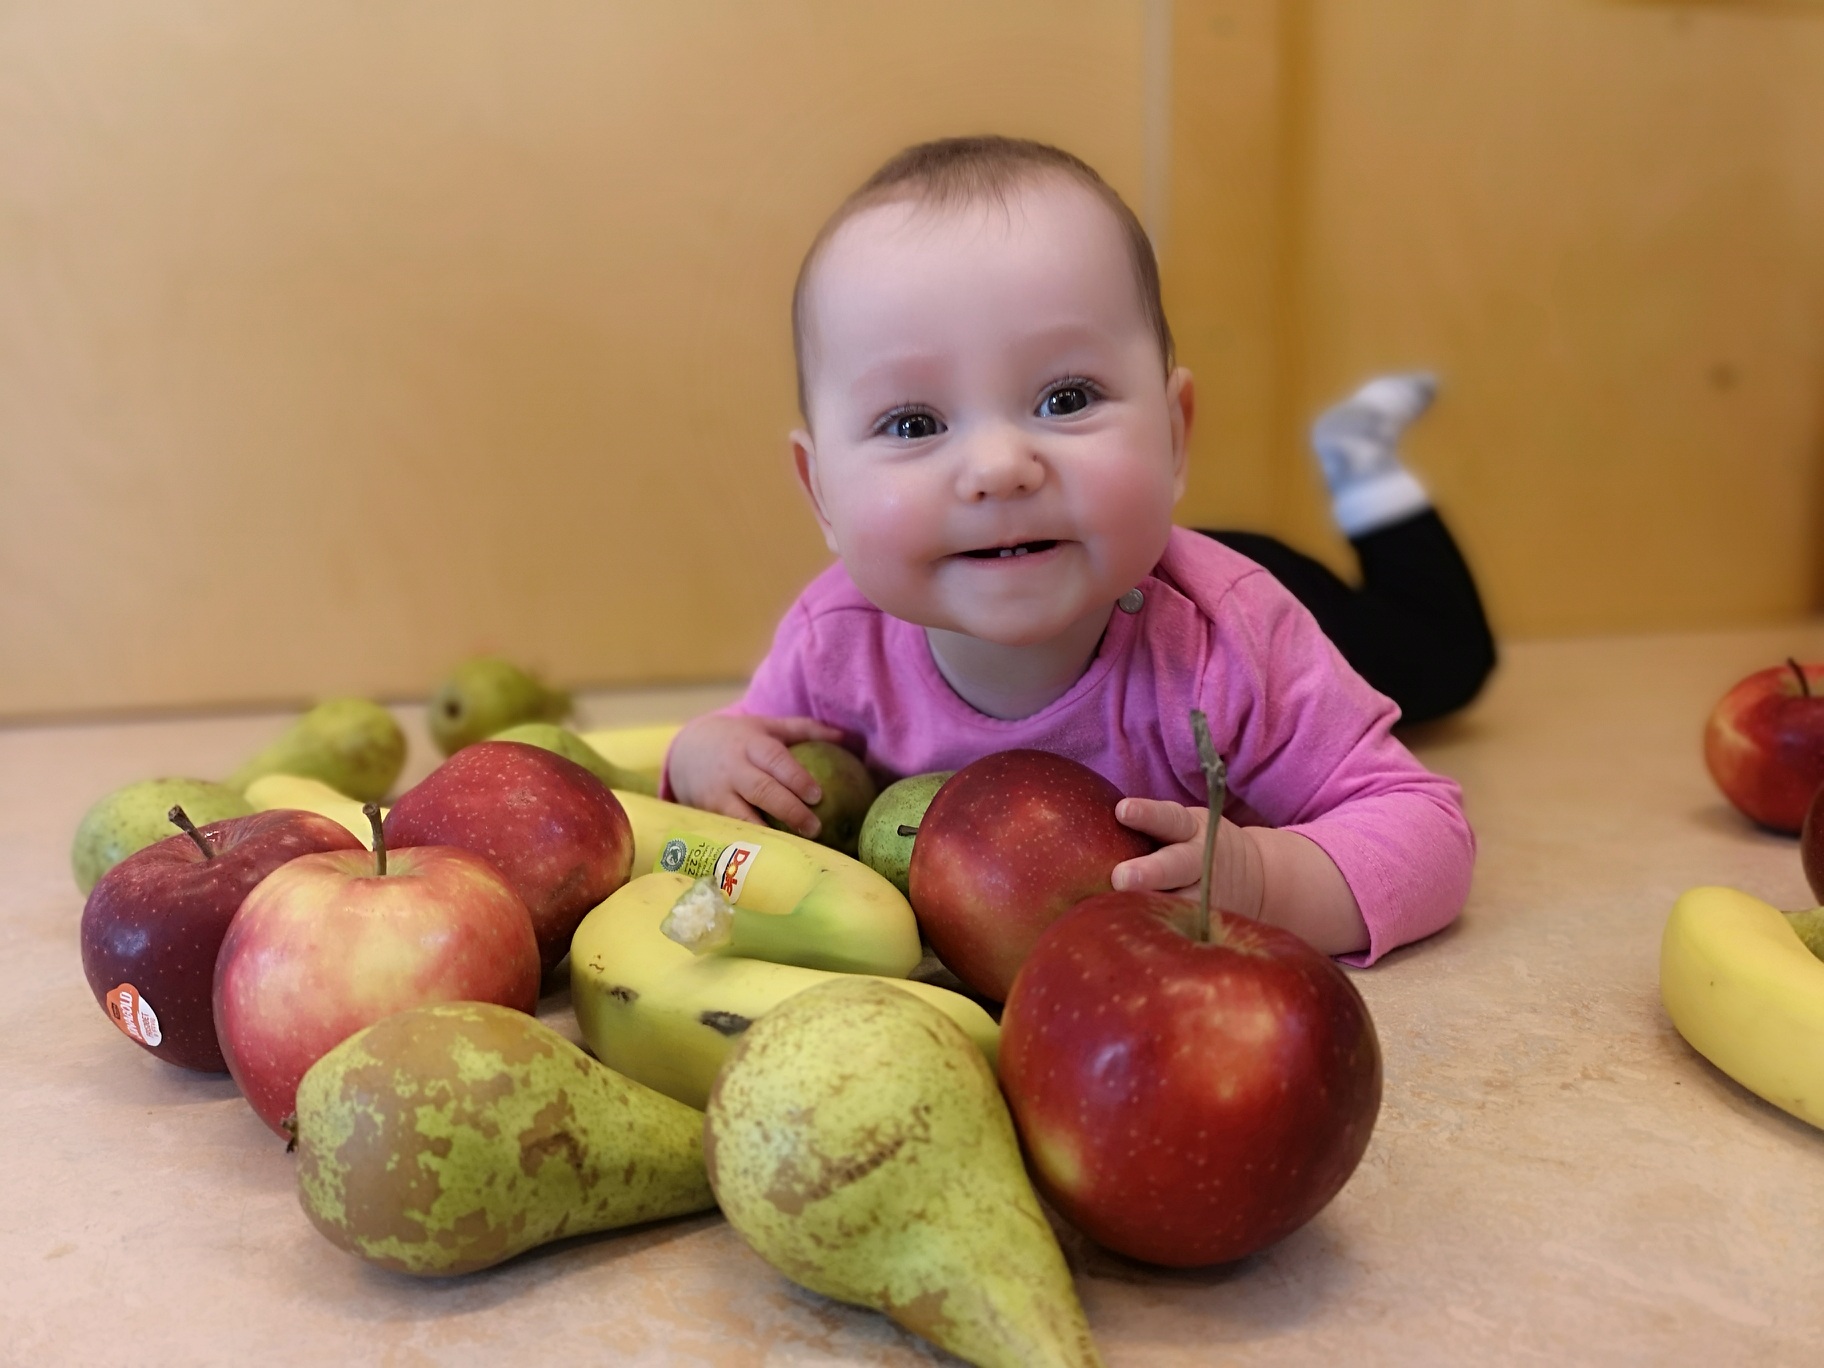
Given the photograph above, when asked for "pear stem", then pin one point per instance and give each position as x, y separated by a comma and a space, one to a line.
905, 830
1799, 670
372, 812
181, 820
1216, 778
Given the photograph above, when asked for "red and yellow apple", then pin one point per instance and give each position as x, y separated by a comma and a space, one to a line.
1008, 845
1764, 744
328, 944
1186, 1101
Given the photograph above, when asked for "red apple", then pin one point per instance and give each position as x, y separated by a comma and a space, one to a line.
1764, 744
556, 832
1185, 1101
330, 943
1008, 845
153, 924
1811, 845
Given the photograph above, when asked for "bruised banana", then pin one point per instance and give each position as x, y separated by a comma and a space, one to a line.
1744, 983
667, 1017
794, 901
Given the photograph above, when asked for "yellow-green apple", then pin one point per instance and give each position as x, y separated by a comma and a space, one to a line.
1008, 845
330, 943
557, 833
153, 925
1186, 1101
1764, 744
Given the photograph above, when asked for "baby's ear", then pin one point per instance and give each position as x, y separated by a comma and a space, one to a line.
1181, 399
804, 461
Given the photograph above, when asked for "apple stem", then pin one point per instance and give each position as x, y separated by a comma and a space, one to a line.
181, 820
372, 810
1216, 778
1799, 670
905, 830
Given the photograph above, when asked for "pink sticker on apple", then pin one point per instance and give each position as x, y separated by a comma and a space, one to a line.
134, 1015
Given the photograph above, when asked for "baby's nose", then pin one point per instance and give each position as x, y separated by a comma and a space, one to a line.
1000, 463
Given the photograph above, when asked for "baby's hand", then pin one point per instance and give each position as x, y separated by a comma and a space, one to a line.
1177, 866
740, 767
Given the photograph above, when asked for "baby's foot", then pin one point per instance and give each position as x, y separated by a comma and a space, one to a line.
1357, 443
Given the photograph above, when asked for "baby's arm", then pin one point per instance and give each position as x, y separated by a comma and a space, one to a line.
1278, 877
738, 765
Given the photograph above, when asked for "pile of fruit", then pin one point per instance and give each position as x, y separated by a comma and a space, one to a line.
769, 1033
1742, 981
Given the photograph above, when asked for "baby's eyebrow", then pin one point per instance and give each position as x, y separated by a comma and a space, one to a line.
914, 368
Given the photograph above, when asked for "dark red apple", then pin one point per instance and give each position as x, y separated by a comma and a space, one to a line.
1811, 845
1764, 744
329, 944
1008, 845
1186, 1101
556, 831
153, 925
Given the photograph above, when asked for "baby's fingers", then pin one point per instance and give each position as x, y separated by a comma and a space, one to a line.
1167, 823
780, 787
792, 730
1166, 870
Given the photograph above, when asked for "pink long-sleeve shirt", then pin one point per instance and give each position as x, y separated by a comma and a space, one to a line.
1306, 740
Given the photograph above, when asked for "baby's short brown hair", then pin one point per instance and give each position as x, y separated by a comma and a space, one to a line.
953, 171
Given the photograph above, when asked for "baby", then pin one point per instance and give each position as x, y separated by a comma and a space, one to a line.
993, 442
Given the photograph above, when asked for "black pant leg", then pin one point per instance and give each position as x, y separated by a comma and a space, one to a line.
1415, 628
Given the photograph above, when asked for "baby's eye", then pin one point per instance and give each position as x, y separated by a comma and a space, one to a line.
911, 427
1063, 400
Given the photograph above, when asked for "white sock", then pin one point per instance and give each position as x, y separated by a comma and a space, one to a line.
1357, 443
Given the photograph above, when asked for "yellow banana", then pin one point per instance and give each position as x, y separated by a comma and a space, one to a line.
641, 749
1746, 992
271, 791
666, 1017
796, 902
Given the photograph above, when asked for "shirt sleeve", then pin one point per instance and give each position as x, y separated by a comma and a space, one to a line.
1311, 750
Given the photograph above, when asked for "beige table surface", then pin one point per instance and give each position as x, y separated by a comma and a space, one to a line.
1555, 1177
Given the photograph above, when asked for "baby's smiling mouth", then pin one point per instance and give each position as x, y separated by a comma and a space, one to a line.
1010, 552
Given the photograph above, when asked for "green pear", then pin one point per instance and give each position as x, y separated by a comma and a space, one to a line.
446, 1138
886, 849
133, 817
857, 1140
561, 740
1810, 927
352, 744
848, 791
484, 697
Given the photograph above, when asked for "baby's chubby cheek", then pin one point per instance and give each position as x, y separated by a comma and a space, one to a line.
889, 541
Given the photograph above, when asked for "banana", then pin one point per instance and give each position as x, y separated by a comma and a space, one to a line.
796, 902
1746, 992
271, 791
641, 749
666, 1017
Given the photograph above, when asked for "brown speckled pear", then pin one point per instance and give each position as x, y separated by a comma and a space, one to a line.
857, 1140
447, 1138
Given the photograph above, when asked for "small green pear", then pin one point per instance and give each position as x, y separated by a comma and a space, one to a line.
561, 740
884, 847
134, 817
446, 1138
857, 1140
1810, 927
352, 744
848, 791
485, 696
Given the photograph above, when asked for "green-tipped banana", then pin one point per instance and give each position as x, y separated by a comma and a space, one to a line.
668, 1017
562, 741
447, 1138
795, 902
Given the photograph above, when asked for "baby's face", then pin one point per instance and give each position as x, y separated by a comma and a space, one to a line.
994, 445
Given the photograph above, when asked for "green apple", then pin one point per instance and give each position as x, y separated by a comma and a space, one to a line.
891, 826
